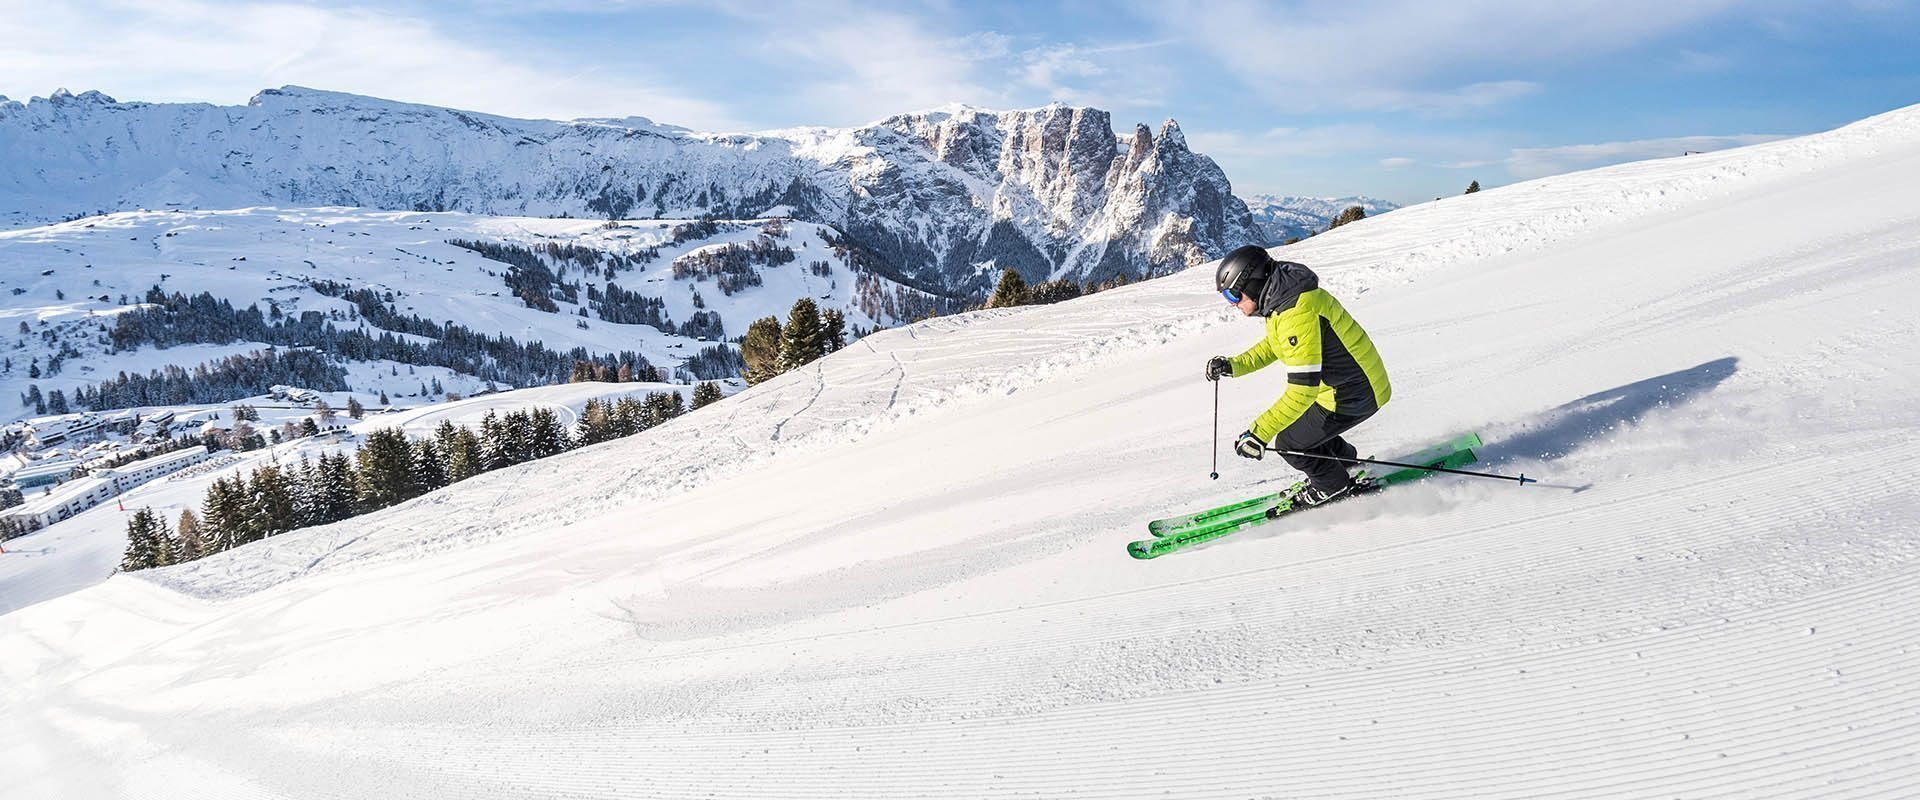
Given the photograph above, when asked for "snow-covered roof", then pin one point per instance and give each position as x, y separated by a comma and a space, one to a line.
37, 503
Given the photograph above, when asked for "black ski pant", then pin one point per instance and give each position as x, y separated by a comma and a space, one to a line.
1317, 432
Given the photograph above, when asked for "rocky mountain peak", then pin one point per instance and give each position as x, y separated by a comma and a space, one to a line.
1171, 137
940, 200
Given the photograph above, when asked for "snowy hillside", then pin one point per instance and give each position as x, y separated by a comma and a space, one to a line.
86, 549
901, 570
66, 284
943, 200
1281, 218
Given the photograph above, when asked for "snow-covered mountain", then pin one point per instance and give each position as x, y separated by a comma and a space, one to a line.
1280, 218
940, 200
667, 291
1708, 362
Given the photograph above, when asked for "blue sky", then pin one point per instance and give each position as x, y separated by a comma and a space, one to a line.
1390, 98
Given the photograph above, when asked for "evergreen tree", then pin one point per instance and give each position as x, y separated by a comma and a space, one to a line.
429, 466
516, 437
493, 443
1472, 187
834, 325
547, 435
337, 488
660, 407
706, 394
803, 340
594, 426
272, 503
385, 474
1054, 292
459, 451
149, 543
384, 402
57, 402
1011, 292
760, 350
308, 427
629, 417
443, 438
189, 542
305, 480
223, 515
462, 452
1351, 214
354, 409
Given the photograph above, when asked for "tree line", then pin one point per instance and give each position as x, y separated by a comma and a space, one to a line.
770, 349
175, 319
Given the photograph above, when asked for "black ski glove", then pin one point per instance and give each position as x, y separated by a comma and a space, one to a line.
1249, 446
1218, 367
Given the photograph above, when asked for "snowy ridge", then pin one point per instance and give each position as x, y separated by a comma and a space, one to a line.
941, 200
1283, 217
900, 572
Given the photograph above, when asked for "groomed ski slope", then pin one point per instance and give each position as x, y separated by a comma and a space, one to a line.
902, 572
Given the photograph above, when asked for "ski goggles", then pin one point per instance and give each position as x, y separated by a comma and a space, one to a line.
1232, 296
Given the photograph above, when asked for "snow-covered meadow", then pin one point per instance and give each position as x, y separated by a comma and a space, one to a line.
72, 278
901, 570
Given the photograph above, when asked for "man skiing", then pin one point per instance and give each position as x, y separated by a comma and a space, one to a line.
1335, 379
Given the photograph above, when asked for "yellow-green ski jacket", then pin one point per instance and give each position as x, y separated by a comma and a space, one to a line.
1329, 359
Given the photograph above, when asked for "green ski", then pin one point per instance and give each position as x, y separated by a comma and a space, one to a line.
1162, 527
1237, 517
1431, 455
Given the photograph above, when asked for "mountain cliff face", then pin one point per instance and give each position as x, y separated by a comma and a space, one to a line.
941, 200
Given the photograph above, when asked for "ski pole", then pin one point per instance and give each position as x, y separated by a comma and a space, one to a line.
1216, 431
1522, 479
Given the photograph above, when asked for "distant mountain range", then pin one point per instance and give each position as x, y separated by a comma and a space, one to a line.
1281, 217
942, 201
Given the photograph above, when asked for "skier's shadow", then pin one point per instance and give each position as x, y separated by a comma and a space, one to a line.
1567, 427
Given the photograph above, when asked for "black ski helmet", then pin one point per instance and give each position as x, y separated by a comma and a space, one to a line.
1244, 270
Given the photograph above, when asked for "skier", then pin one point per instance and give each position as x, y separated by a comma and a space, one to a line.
1335, 379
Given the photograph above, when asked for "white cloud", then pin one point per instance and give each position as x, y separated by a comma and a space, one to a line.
1397, 162
853, 67
1047, 67
1333, 141
225, 52
1413, 55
